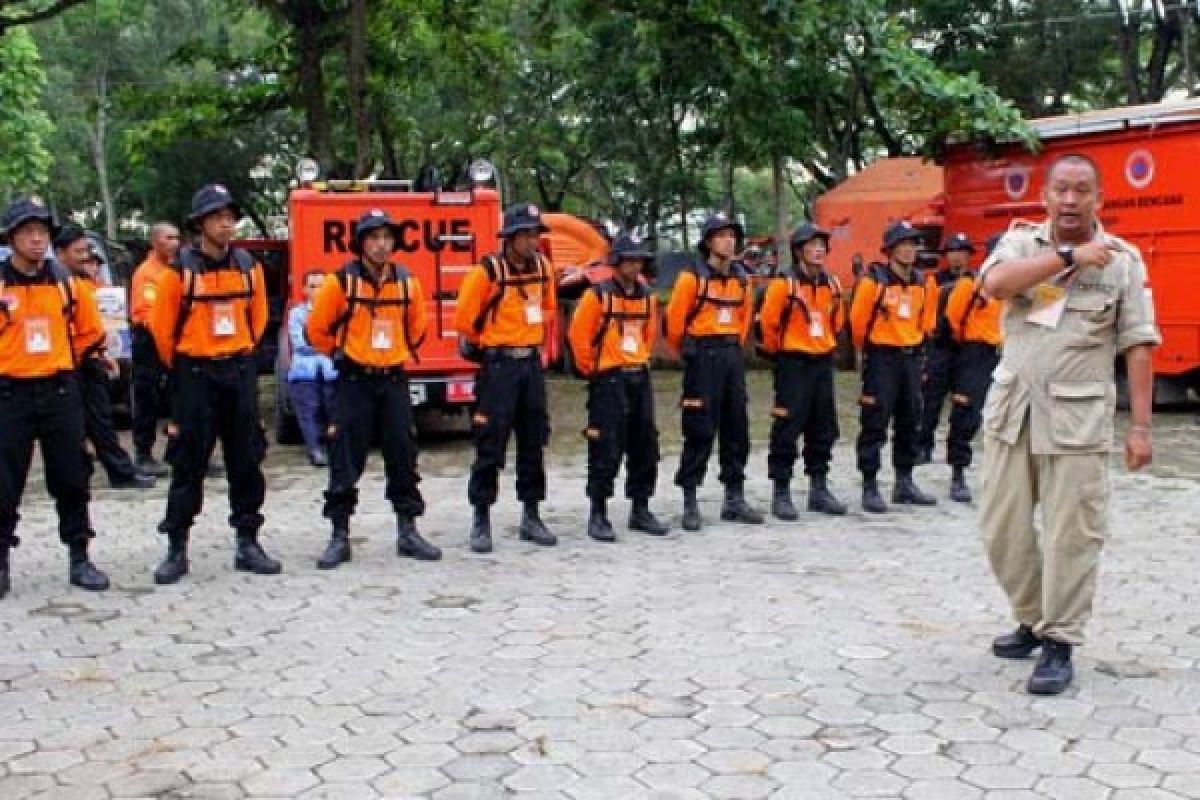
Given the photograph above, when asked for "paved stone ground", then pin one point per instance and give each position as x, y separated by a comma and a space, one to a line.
815, 660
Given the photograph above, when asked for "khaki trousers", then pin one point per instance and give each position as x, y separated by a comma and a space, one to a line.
1049, 577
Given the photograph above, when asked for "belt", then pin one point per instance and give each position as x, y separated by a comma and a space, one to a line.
351, 368
638, 370
717, 341
908, 350
245, 354
800, 355
511, 352
56, 377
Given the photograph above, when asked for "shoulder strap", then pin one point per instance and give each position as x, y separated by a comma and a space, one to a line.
879, 274
702, 273
497, 276
970, 309
348, 282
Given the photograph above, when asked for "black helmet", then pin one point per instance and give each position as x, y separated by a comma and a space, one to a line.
719, 221
372, 220
629, 247
208, 200
522, 217
27, 209
900, 231
806, 232
959, 241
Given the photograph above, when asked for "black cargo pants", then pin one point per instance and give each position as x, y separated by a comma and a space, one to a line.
621, 425
511, 398
804, 404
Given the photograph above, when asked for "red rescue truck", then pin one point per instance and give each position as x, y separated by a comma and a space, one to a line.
1148, 157
442, 235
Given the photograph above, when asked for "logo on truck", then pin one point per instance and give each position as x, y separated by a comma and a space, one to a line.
1016, 182
1139, 169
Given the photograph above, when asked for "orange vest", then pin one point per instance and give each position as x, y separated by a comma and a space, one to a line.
47, 322
499, 306
144, 289
208, 309
370, 325
612, 329
704, 303
890, 311
972, 316
801, 315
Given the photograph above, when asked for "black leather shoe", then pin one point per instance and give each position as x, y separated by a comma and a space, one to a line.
872, 500
138, 480
736, 509
821, 500
782, 506
481, 530
641, 519
410, 543
149, 465
959, 491
83, 573
533, 529
1019, 644
600, 529
175, 564
906, 492
250, 557
338, 551
692, 521
1053, 673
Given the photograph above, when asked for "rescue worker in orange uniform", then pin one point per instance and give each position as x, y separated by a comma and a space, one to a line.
802, 313
74, 251
149, 375
976, 329
46, 323
505, 318
708, 320
369, 316
942, 352
612, 337
206, 322
890, 318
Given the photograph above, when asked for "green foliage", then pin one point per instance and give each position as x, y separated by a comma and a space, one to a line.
25, 127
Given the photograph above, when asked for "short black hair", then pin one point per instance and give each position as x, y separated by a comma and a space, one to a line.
1072, 158
69, 235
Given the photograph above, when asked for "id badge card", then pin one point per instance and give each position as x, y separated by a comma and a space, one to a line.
37, 336
725, 316
383, 334
533, 312
904, 307
222, 320
1049, 302
816, 326
629, 339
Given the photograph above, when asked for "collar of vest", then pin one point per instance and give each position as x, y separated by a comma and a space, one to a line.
391, 272
45, 273
194, 259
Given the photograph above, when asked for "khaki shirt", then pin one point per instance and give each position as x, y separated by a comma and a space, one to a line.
1061, 379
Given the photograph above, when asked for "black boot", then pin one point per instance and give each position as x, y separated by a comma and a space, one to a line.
781, 502
906, 491
736, 509
959, 491
641, 519
250, 557
5, 580
409, 541
533, 529
872, 500
820, 499
1053, 672
82, 572
599, 528
1019, 644
175, 564
481, 530
338, 550
138, 480
692, 521
147, 464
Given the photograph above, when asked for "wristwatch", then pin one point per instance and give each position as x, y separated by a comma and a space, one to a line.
1067, 254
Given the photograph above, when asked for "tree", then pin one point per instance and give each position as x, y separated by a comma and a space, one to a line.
25, 127
14, 13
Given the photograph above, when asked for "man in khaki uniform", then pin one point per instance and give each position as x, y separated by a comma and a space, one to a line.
1077, 297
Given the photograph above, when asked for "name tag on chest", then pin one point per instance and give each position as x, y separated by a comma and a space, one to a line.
37, 336
383, 334
223, 323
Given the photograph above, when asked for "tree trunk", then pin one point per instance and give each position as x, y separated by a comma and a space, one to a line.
307, 21
356, 79
391, 162
1166, 34
727, 176
1128, 49
778, 195
98, 135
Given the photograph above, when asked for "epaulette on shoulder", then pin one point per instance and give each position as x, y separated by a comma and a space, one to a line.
1026, 225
